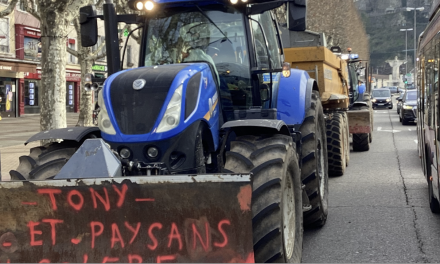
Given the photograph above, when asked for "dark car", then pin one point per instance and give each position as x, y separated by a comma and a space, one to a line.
399, 101
409, 107
381, 98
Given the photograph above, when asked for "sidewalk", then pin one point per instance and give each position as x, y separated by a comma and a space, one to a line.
14, 132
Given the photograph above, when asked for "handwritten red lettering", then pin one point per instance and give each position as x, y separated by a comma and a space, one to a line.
115, 232
29, 203
76, 206
105, 202
44, 261
136, 258
7, 244
52, 223
152, 237
121, 194
144, 199
8, 261
34, 232
85, 258
197, 234
51, 193
135, 231
95, 233
225, 237
108, 260
75, 241
161, 259
174, 234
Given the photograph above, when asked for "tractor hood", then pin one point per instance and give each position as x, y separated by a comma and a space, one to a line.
137, 99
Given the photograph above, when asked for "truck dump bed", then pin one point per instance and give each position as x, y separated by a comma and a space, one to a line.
327, 69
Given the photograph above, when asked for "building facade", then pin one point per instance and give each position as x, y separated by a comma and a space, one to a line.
20, 71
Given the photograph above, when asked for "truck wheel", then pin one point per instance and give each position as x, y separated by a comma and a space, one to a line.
361, 142
433, 202
347, 141
336, 146
276, 197
44, 162
314, 172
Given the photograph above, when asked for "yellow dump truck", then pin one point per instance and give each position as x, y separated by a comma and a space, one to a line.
347, 114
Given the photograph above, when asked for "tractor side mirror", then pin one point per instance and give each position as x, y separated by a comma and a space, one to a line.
89, 26
264, 92
297, 15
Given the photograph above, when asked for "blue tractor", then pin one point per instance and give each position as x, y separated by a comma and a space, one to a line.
212, 94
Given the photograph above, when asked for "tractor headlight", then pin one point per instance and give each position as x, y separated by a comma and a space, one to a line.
171, 118
104, 123
407, 107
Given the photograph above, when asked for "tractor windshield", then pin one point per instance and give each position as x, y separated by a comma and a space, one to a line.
212, 36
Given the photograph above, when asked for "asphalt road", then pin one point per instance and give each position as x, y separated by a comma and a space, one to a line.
379, 211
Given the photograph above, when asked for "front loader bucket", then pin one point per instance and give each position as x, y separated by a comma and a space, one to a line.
359, 121
204, 218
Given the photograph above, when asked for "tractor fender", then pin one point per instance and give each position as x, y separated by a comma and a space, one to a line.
257, 126
293, 97
68, 133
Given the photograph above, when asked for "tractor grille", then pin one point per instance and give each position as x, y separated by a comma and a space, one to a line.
136, 111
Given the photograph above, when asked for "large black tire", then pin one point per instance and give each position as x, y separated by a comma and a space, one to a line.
314, 171
347, 136
276, 197
44, 162
361, 142
433, 202
336, 144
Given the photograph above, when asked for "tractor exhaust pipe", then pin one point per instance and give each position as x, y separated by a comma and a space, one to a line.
111, 36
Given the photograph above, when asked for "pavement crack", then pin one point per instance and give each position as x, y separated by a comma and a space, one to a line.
415, 218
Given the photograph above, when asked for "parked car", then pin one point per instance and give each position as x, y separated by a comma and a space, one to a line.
409, 107
382, 98
393, 89
399, 102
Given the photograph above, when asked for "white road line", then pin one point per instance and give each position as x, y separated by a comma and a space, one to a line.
379, 128
409, 129
415, 140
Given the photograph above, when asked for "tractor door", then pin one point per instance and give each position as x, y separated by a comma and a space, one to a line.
267, 58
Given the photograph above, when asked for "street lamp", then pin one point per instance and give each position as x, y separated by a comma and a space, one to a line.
406, 47
415, 9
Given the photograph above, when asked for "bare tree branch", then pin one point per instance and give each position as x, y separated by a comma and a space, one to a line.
73, 52
9, 9
32, 9
98, 50
97, 57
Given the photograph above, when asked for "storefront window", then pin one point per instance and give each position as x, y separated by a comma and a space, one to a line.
70, 93
7, 97
31, 49
31, 93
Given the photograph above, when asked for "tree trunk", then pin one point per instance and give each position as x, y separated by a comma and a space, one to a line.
53, 68
86, 101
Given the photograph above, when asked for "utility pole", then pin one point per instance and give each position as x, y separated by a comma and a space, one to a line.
406, 47
415, 9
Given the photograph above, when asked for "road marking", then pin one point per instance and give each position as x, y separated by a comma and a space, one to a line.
415, 140
379, 128
409, 129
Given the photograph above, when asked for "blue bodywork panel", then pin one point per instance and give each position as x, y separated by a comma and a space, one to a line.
291, 97
204, 111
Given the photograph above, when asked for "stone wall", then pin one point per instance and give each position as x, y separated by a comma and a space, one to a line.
341, 23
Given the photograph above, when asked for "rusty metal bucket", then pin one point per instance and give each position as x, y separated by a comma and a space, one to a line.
204, 218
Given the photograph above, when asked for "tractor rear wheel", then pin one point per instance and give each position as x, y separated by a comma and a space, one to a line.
314, 172
277, 196
44, 162
336, 144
